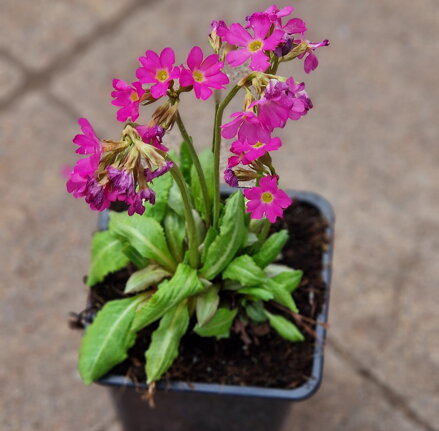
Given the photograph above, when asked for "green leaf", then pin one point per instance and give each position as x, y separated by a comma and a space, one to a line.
257, 292
290, 280
106, 256
165, 341
175, 201
206, 161
211, 234
256, 312
146, 277
284, 327
207, 304
184, 284
281, 295
271, 248
133, 255
107, 339
232, 235
275, 269
161, 187
245, 270
175, 233
219, 325
199, 224
144, 234
185, 161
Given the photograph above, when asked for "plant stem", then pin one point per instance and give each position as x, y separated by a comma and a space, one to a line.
217, 149
198, 168
264, 231
191, 229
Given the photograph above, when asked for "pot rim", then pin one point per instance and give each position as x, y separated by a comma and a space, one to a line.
300, 393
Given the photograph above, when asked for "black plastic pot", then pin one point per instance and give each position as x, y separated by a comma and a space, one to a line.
182, 406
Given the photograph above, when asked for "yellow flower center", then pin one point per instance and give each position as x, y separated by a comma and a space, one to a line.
198, 76
162, 75
134, 96
258, 144
255, 45
267, 197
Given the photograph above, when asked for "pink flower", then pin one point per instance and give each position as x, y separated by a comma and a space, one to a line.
88, 142
247, 153
311, 61
282, 100
128, 97
275, 15
159, 71
152, 136
252, 46
267, 199
248, 127
219, 27
81, 182
203, 75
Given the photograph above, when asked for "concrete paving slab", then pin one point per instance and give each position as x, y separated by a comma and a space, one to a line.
44, 254
10, 77
369, 146
37, 31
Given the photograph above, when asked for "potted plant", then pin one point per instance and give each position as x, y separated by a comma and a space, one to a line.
235, 280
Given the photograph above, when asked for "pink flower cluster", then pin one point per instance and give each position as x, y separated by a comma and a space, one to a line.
100, 185
265, 33
160, 71
279, 102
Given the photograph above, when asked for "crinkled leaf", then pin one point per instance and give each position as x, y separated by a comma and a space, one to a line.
108, 338
165, 341
219, 325
185, 161
144, 234
290, 280
161, 186
232, 235
257, 293
207, 304
146, 277
245, 270
206, 161
106, 256
175, 234
284, 327
281, 295
271, 248
211, 234
184, 284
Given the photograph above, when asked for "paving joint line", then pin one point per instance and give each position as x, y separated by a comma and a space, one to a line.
39, 79
393, 398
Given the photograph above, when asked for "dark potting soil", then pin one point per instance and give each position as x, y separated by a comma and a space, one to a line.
254, 355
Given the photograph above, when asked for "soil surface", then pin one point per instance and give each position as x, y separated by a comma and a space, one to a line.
253, 355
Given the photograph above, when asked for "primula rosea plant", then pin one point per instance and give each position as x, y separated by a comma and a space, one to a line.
188, 246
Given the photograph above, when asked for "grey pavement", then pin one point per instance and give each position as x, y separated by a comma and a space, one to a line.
370, 146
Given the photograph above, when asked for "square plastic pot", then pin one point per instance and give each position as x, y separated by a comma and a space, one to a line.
183, 406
